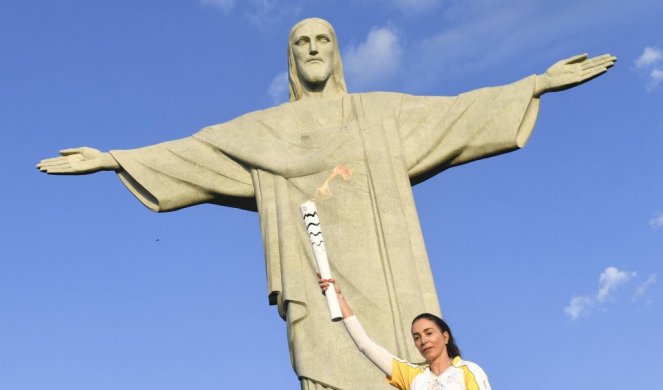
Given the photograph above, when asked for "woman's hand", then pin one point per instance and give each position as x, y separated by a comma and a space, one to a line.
346, 311
324, 285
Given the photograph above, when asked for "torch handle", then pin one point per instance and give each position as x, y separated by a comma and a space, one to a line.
320, 253
314, 232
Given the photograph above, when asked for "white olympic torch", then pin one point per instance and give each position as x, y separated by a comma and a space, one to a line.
314, 231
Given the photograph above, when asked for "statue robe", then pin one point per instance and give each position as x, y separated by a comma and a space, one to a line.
273, 160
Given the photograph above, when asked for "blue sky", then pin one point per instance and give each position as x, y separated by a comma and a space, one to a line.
547, 261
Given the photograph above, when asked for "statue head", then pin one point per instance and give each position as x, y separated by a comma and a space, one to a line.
314, 59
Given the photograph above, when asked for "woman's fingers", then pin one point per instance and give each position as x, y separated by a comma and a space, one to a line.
324, 283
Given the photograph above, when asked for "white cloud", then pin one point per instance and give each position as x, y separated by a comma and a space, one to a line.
650, 61
610, 279
657, 221
650, 56
224, 5
578, 306
655, 77
375, 59
641, 291
278, 88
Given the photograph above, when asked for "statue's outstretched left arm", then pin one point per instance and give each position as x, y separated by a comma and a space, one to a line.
572, 71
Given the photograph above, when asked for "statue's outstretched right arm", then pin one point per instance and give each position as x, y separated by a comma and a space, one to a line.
78, 161
166, 176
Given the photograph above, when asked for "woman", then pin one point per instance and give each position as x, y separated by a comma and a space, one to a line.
433, 338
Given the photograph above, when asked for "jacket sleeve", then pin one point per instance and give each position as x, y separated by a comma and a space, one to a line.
375, 353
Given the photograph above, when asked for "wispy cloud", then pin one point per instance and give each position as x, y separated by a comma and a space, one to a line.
657, 220
609, 281
579, 306
223, 5
375, 59
655, 77
641, 291
262, 14
460, 47
266, 14
651, 62
278, 88
650, 56
480, 35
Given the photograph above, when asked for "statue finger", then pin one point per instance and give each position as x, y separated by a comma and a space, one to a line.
52, 160
70, 151
604, 61
576, 58
593, 73
604, 56
599, 58
59, 169
609, 58
594, 70
601, 65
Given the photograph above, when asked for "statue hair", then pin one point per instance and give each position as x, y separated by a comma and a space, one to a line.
337, 69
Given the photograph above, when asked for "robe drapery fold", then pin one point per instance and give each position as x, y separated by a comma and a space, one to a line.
273, 160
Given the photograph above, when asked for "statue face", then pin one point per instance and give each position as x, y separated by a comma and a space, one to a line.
313, 50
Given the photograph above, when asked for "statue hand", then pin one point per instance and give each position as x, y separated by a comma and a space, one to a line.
572, 71
78, 161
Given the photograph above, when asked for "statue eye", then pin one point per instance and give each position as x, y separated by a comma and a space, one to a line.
301, 41
324, 38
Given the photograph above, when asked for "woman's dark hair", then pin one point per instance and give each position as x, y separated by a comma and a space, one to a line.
452, 348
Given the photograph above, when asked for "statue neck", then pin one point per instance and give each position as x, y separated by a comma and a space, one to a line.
319, 90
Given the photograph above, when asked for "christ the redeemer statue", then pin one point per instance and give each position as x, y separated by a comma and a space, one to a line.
272, 160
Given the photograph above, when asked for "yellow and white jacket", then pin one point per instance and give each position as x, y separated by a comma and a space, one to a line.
461, 375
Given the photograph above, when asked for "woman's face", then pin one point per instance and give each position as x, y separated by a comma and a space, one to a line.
429, 339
